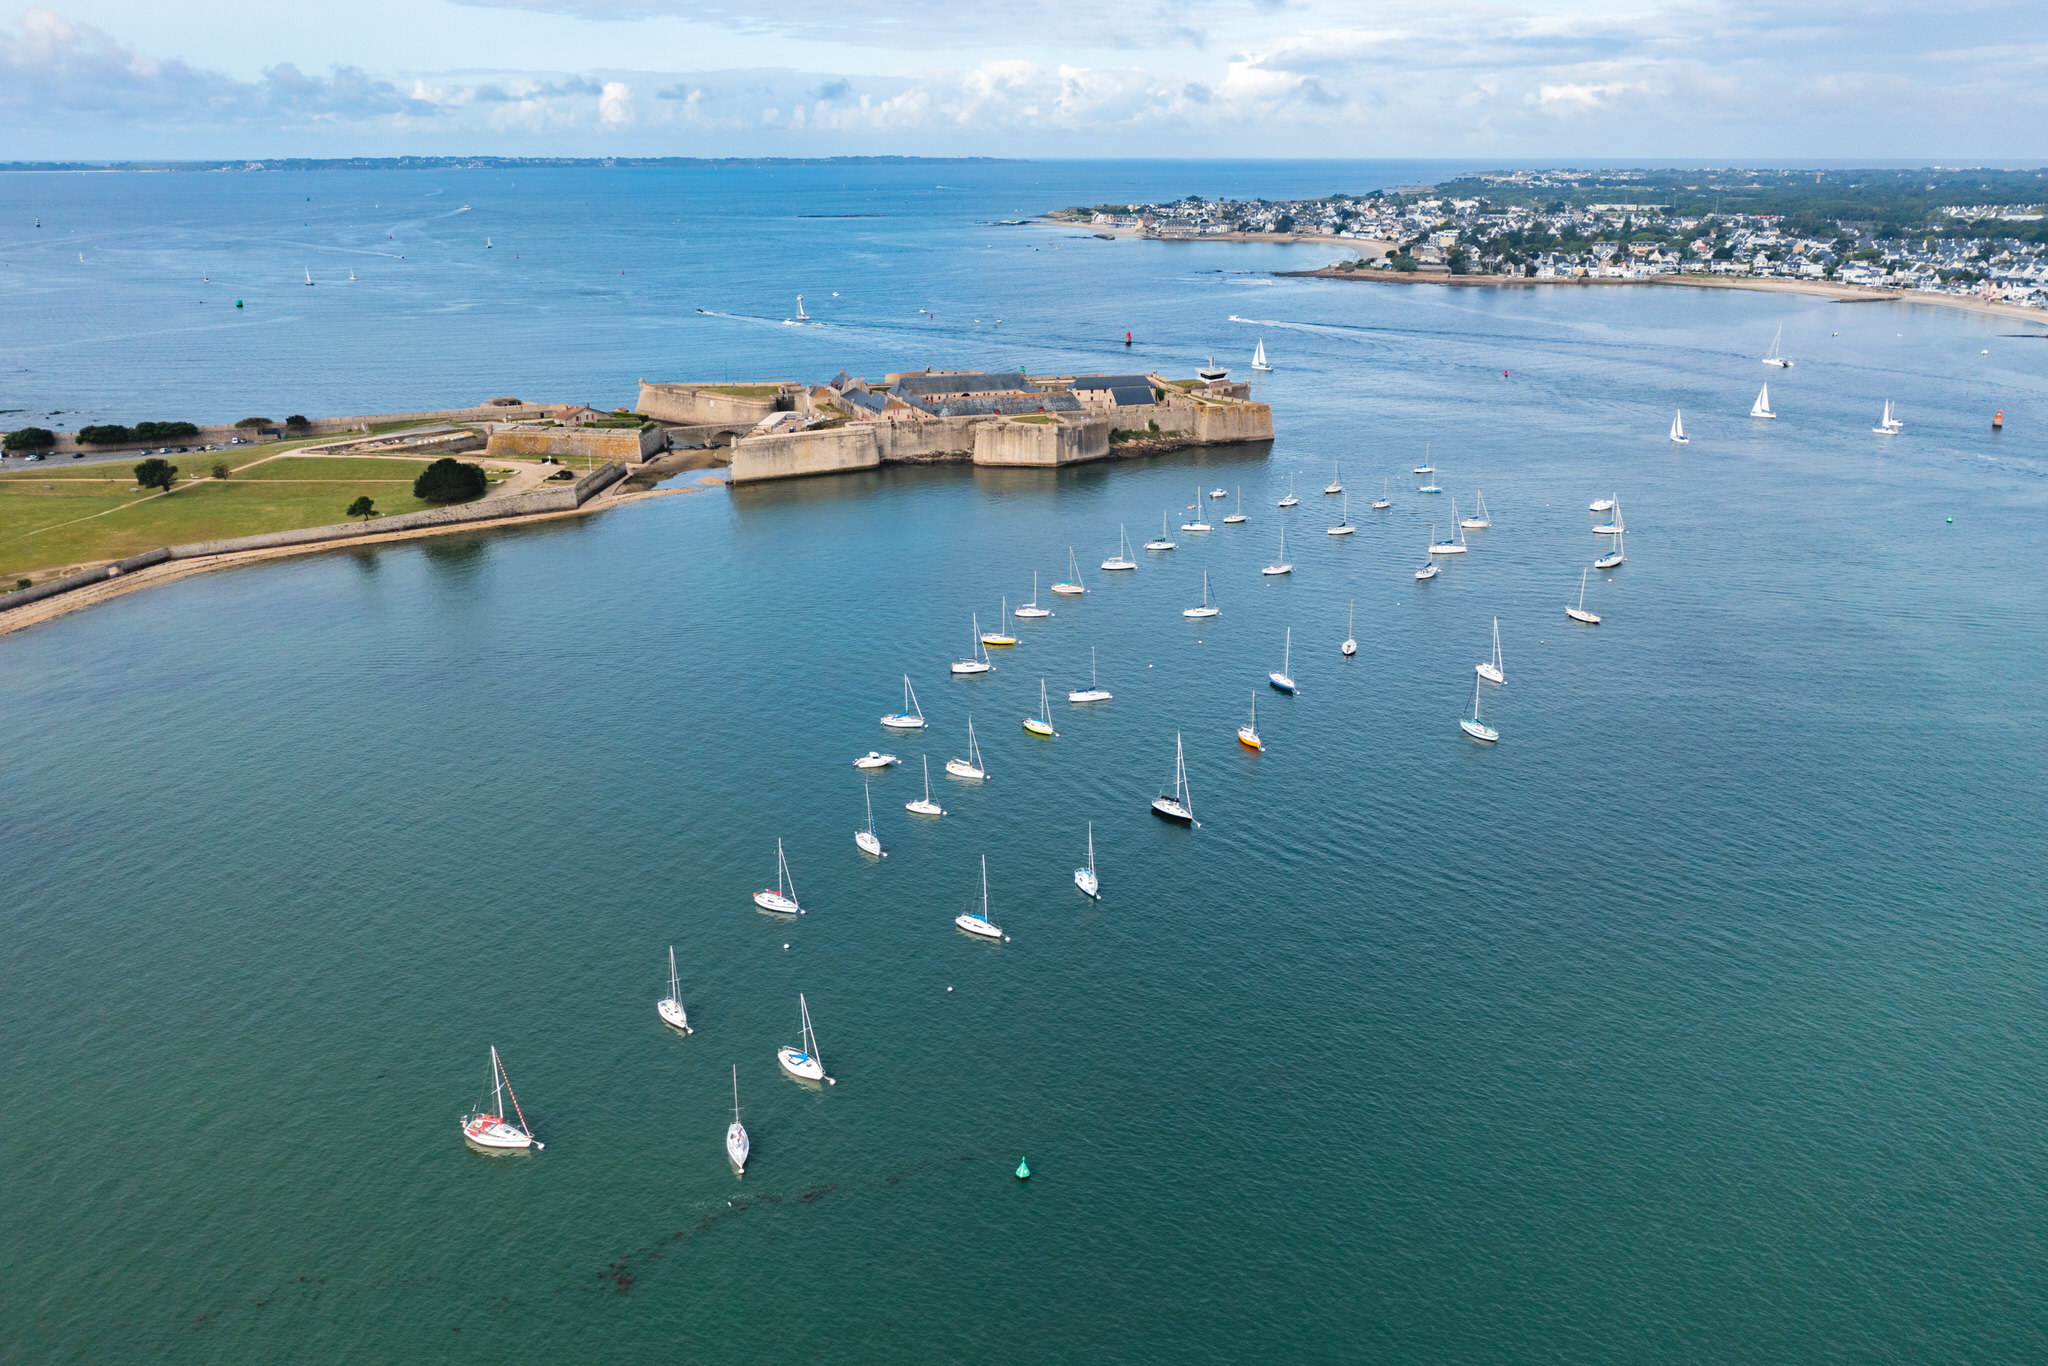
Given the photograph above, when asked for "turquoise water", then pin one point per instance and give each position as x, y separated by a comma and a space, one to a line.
1698, 1019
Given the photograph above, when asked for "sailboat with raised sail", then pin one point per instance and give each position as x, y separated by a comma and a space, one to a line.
1070, 586
736, 1145
1041, 724
781, 898
1491, 669
1180, 806
1456, 547
1000, 637
1031, 610
1475, 727
1259, 356
1238, 516
1890, 424
977, 661
1290, 500
1195, 522
971, 768
1478, 521
486, 1131
1350, 631
1122, 559
670, 1007
865, 840
1678, 435
1762, 406
804, 1061
1384, 501
976, 921
1248, 733
1085, 878
1343, 527
1162, 543
1614, 557
1207, 609
1580, 613
925, 806
1283, 565
1776, 355
1283, 677
1094, 692
912, 715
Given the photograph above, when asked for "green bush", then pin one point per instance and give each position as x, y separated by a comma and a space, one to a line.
165, 431
220, 469
449, 480
297, 422
251, 423
31, 439
156, 473
105, 434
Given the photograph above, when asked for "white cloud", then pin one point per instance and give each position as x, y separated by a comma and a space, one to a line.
615, 104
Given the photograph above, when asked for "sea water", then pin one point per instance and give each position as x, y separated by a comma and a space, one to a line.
1700, 1018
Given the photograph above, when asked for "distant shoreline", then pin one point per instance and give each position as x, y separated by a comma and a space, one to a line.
1849, 294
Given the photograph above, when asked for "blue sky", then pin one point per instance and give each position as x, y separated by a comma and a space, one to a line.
1559, 79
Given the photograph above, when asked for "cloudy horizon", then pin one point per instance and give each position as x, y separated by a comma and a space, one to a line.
1718, 79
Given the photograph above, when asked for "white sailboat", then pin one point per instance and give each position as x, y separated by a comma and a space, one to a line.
1207, 609
971, 768
874, 758
486, 1131
1181, 805
1290, 500
1248, 733
1428, 471
1282, 565
1492, 670
804, 1061
801, 317
670, 1007
977, 661
977, 922
1890, 425
1383, 502
1122, 559
1259, 356
736, 1145
866, 840
1162, 543
309, 272
1238, 516
1195, 522
781, 898
912, 715
1343, 527
1350, 633
1678, 429
1336, 484
1031, 609
1456, 547
925, 806
1429, 567
1283, 678
1776, 356
1070, 586
1613, 557
1762, 406
1085, 878
1475, 727
1613, 525
1094, 692
1041, 724
1478, 521
1580, 613
1216, 493
1001, 636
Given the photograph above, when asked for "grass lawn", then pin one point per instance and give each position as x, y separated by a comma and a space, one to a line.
51, 522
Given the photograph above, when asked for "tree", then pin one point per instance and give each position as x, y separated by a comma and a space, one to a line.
363, 507
449, 480
251, 423
31, 439
297, 422
220, 469
156, 473
105, 434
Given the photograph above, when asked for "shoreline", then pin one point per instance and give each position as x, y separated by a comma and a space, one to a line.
1365, 246
1848, 294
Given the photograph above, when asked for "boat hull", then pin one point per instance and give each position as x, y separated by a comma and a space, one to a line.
1342, 530
1277, 569
1114, 565
1234, 519
772, 900
1447, 550
1166, 808
1089, 695
999, 642
489, 1134
1489, 673
1036, 726
1381, 504
875, 759
923, 808
672, 1014
1581, 615
1089, 884
1424, 574
1350, 647
866, 842
979, 928
1486, 735
1287, 502
903, 722
1608, 529
1159, 545
1249, 738
960, 768
970, 666
1068, 589
1281, 682
1032, 613
737, 1148
1474, 524
1610, 561
800, 1064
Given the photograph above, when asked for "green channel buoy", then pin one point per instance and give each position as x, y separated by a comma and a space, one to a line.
1023, 1172
238, 303
1951, 521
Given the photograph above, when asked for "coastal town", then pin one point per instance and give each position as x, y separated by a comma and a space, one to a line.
1561, 225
